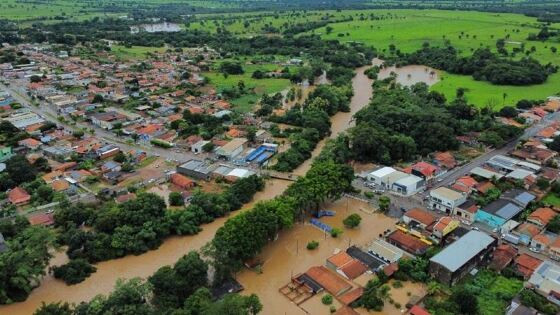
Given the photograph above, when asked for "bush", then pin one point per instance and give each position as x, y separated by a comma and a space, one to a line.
352, 220
369, 194
327, 299
398, 305
332, 309
397, 284
76, 271
336, 232
312, 245
176, 199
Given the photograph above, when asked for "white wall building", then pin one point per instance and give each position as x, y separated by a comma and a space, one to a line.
445, 199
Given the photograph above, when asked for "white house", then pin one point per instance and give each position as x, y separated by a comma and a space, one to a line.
385, 177
445, 199
197, 147
408, 185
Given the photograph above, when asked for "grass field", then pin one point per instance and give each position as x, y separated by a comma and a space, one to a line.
246, 102
552, 199
409, 29
134, 52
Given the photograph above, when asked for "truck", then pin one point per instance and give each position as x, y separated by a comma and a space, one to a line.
510, 238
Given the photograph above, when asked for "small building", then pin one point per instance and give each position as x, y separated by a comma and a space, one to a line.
196, 169
425, 170
107, 120
197, 147
30, 144
111, 166
181, 181
526, 264
546, 281
346, 266
417, 217
18, 196
408, 185
44, 219
459, 258
407, 242
526, 232
444, 226
445, 199
231, 149
385, 251
107, 151
328, 280
497, 213
554, 249
502, 257
381, 175
369, 259
467, 210
57, 153
541, 216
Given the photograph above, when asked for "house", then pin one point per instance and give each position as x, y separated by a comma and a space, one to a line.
526, 232
18, 196
407, 242
382, 250
345, 265
107, 120
346, 310
107, 151
444, 226
231, 149
60, 185
542, 241
44, 219
554, 249
198, 146
467, 210
57, 153
30, 144
181, 181
497, 213
483, 187
369, 259
350, 297
518, 196
113, 177
110, 166
417, 217
445, 199
418, 310
459, 258
546, 281
541, 216
126, 197
445, 160
424, 170
516, 308
328, 280
526, 264
65, 166
502, 257
465, 184
196, 169
24, 119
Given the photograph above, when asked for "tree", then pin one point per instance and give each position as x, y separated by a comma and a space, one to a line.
352, 220
19, 169
176, 199
555, 144
384, 203
251, 133
58, 308
208, 147
554, 224
78, 134
75, 271
120, 157
508, 111
467, 301
98, 98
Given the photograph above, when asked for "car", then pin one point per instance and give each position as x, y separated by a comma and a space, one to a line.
474, 228
534, 250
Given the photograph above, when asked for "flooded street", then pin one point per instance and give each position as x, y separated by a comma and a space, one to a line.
103, 281
288, 256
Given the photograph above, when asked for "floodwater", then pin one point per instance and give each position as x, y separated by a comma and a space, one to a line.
154, 28
144, 265
410, 75
288, 256
342, 121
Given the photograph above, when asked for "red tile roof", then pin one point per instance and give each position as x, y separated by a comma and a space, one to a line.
425, 168
41, 219
353, 269
528, 229
18, 196
502, 257
349, 297
181, 181
421, 216
542, 216
345, 310
340, 259
64, 166
484, 186
60, 185
527, 264
418, 310
407, 242
125, 198
329, 280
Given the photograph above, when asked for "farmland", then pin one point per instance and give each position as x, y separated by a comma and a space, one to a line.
407, 30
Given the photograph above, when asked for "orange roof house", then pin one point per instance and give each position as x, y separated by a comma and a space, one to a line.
353, 269
552, 106
526, 265
465, 184
407, 242
181, 181
44, 219
349, 297
502, 257
339, 260
329, 280
30, 143
541, 216
65, 166
420, 216
528, 229
60, 185
483, 187
445, 159
346, 310
547, 132
18, 196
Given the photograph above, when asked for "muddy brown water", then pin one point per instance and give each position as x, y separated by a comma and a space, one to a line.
144, 265
283, 258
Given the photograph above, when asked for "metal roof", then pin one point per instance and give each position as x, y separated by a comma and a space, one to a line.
482, 172
461, 251
382, 172
502, 208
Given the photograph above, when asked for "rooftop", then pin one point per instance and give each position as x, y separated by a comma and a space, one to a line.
461, 251
447, 193
329, 280
383, 171
421, 216
503, 208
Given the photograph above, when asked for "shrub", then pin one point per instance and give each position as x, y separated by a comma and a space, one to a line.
327, 299
398, 305
76, 271
397, 284
352, 220
336, 232
312, 245
332, 309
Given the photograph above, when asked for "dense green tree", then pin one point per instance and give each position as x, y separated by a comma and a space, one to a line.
75, 271
352, 220
176, 199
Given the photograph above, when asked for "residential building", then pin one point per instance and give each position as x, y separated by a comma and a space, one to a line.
197, 147
445, 199
526, 264
30, 144
107, 151
417, 217
348, 267
541, 216
554, 249
387, 252
196, 169
541, 242
444, 226
328, 280
459, 258
546, 281
231, 149
407, 242
371, 260
24, 119
44, 219
425, 170
408, 185
111, 166
497, 213
107, 120
57, 153
502, 257
18, 196
465, 184
181, 181
526, 232
467, 211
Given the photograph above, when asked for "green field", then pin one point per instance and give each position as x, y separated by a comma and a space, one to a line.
246, 102
552, 199
134, 52
409, 29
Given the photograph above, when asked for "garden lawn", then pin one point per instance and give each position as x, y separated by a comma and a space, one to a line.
134, 52
494, 292
552, 199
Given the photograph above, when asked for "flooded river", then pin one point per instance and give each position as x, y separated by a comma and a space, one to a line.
103, 281
285, 257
